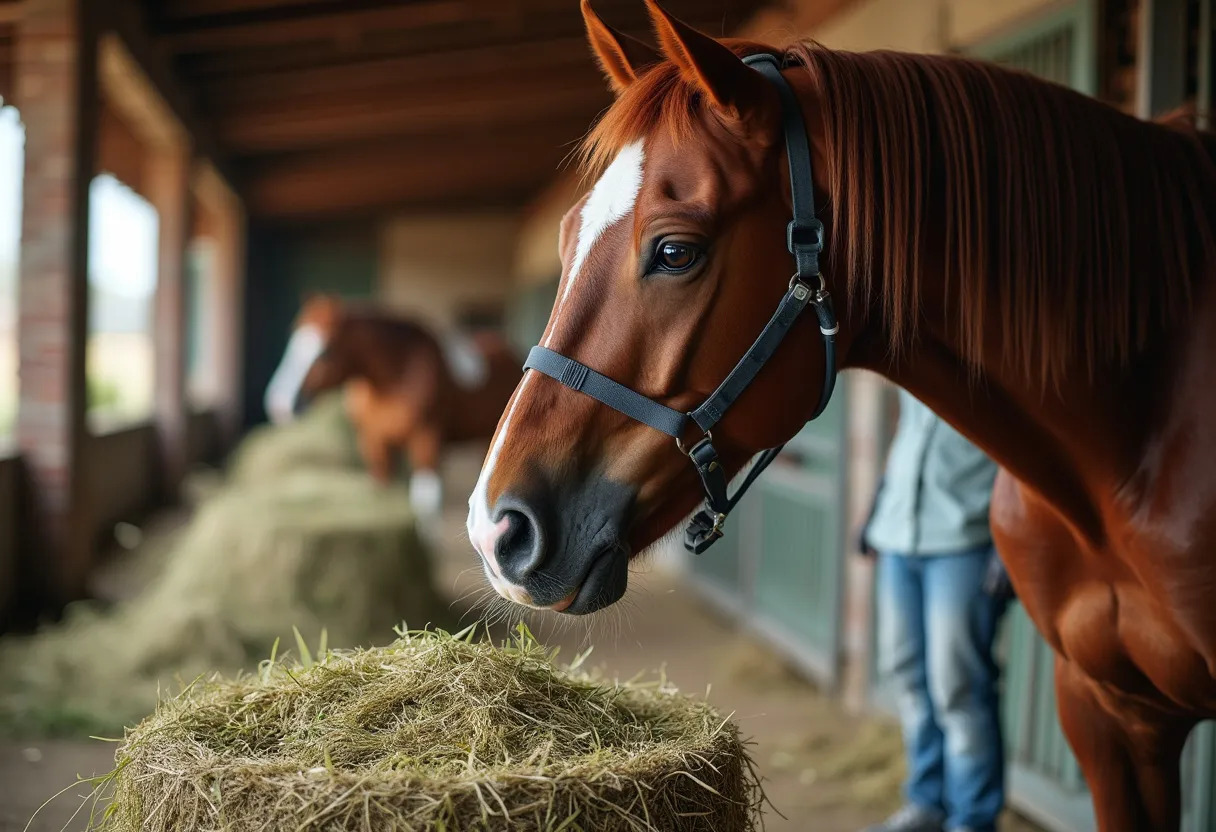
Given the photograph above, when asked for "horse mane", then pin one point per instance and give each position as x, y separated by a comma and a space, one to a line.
1085, 229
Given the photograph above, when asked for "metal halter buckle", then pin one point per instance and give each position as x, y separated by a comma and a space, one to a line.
719, 522
709, 434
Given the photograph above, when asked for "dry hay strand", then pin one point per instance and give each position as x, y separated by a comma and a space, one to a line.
320, 550
321, 438
433, 732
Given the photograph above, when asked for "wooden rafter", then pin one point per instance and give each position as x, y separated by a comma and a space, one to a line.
324, 94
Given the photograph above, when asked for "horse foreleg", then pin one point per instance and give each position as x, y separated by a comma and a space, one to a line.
426, 487
1128, 751
377, 455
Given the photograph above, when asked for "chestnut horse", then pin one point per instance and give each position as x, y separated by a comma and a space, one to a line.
1035, 266
405, 390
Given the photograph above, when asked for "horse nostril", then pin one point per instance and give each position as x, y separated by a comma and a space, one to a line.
520, 548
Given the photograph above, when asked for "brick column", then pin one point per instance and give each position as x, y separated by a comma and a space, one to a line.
56, 91
168, 185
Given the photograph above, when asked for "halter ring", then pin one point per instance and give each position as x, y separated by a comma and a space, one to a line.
820, 292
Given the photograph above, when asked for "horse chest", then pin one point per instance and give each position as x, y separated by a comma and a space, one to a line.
1142, 630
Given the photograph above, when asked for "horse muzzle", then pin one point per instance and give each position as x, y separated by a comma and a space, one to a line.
559, 548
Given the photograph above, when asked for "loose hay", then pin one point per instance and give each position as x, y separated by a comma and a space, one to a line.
434, 732
319, 549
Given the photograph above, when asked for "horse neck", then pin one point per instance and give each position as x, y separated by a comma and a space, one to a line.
370, 350
1075, 444
1089, 433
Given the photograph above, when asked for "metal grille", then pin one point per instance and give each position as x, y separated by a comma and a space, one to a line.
1050, 56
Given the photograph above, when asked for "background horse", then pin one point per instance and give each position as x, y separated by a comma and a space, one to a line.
1032, 264
405, 390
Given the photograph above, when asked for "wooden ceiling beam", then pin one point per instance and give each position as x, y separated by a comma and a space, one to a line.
335, 26
548, 137
337, 44
466, 65
335, 121
401, 92
177, 9
12, 11
349, 27
126, 22
331, 184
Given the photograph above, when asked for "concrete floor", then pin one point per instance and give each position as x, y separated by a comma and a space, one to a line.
824, 769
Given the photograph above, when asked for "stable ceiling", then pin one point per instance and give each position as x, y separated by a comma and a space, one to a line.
329, 108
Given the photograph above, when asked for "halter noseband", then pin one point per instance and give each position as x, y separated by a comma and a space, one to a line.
804, 238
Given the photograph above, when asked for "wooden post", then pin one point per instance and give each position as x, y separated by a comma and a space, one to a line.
228, 328
168, 183
56, 91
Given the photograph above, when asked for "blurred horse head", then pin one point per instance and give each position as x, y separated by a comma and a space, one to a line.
406, 390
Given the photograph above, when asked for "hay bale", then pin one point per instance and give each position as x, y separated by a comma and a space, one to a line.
322, 438
320, 550
434, 732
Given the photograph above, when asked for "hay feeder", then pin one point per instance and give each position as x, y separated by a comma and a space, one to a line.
434, 732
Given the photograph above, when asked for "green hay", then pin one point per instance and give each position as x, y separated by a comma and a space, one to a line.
434, 732
319, 549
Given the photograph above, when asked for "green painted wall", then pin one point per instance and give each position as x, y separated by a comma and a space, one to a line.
285, 266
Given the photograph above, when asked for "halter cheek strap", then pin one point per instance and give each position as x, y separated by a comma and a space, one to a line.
804, 238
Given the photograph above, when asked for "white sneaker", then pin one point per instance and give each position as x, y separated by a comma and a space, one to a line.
911, 818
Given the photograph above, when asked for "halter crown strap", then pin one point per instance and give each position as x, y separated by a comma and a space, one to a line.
804, 239
804, 234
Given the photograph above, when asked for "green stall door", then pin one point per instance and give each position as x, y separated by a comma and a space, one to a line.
528, 314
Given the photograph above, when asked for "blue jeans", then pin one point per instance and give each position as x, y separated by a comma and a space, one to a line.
936, 626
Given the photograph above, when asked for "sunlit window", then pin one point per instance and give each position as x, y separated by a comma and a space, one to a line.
12, 172
123, 230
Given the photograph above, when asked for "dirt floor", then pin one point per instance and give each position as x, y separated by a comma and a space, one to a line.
824, 770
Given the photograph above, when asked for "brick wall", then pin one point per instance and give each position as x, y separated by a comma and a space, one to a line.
55, 84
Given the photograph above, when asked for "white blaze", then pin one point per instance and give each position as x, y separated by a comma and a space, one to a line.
303, 349
612, 198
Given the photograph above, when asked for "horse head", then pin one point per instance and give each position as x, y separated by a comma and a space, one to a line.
310, 364
671, 266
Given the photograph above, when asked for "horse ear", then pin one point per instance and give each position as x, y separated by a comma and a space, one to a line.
729, 83
621, 57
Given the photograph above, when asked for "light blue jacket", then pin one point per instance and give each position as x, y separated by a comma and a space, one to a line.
936, 490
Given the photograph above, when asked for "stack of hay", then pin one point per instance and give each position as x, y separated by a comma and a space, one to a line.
434, 732
322, 439
313, 548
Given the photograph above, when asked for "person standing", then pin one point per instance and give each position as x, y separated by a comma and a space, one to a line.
941, 592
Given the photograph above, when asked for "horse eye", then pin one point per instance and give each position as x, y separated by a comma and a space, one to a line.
675, 257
